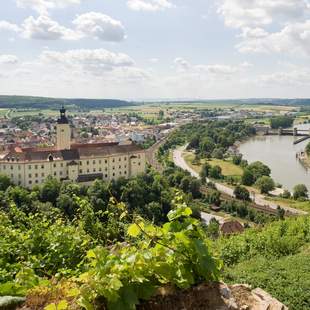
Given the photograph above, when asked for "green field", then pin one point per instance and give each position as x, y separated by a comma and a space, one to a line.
228, 168
3, 112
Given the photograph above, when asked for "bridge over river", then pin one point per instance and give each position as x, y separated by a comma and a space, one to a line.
304, 134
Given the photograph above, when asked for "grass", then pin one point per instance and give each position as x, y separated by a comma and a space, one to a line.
3, 112
282, 202
228, 168
286, 278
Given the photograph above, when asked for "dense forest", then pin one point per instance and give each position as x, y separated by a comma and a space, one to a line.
25, 102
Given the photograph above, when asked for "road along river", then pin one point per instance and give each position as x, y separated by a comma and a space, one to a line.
258, 199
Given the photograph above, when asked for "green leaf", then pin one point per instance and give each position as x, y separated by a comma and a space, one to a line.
134, 230
50, 307
179, 212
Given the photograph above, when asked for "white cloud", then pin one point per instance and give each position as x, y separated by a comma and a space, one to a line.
294, 37
8, 60
253, 13
100, 26
95, 62
5, 25
42, 6
296, 77
149, 5
44, 28
210, 70
181, 64
96, 25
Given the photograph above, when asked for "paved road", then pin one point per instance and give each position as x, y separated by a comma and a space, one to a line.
257, 198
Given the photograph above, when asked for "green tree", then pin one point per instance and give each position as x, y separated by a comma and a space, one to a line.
213, 229
215, 172
247, 177
50, 190
259, 169
300, 191
237, 159
5, 182
242, 193
204, 173
265, 184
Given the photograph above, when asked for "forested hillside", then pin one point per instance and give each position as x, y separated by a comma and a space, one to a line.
25, 102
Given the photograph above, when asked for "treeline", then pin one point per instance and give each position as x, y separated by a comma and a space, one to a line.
210, 139
281, 121
25, 102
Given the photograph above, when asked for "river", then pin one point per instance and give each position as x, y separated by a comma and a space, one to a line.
279, 153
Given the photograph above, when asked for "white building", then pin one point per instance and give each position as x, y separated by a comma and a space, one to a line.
72, 162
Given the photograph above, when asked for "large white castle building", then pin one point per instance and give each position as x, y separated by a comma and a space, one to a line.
82, 163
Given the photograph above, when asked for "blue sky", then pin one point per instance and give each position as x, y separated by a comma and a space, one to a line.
153, 49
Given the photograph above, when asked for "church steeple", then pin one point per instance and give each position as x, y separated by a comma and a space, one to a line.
63, 118
63, 131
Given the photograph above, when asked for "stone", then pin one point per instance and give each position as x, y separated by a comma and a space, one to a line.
10, 302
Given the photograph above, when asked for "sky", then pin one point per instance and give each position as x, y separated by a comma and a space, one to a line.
155, 49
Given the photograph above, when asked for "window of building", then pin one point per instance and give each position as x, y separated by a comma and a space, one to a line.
42, 166
87, 162
81, 171
113, 168
119, 167
120, 159
55, 173
36, 167
36, 175
113, 174
29, 167
61, 165
29, 175
94, 162
99, 161
30, 182
37, 181
113, 160
125, 172
81, 163
19, 167
87, 170
94, 170
100, 169
11, 167
106, 175
105, 161
60, 173
54, 165
42, 174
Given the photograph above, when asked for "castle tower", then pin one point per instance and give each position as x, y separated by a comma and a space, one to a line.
63, 131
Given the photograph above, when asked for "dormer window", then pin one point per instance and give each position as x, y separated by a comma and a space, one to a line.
50, 157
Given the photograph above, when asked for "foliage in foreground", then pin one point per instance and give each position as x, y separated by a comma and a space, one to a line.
176, 254
286, 278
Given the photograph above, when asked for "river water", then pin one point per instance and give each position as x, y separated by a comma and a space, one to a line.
279, 153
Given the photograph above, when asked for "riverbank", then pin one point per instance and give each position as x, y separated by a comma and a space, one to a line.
259, 199
278, 153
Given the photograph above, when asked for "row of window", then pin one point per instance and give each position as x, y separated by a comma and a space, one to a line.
30, 182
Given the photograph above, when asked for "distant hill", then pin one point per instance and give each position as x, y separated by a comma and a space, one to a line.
25, 102
254, 101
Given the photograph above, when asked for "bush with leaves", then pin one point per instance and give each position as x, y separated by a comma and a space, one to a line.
176, 254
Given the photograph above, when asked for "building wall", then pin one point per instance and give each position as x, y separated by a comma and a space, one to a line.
63, 136
112, 167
